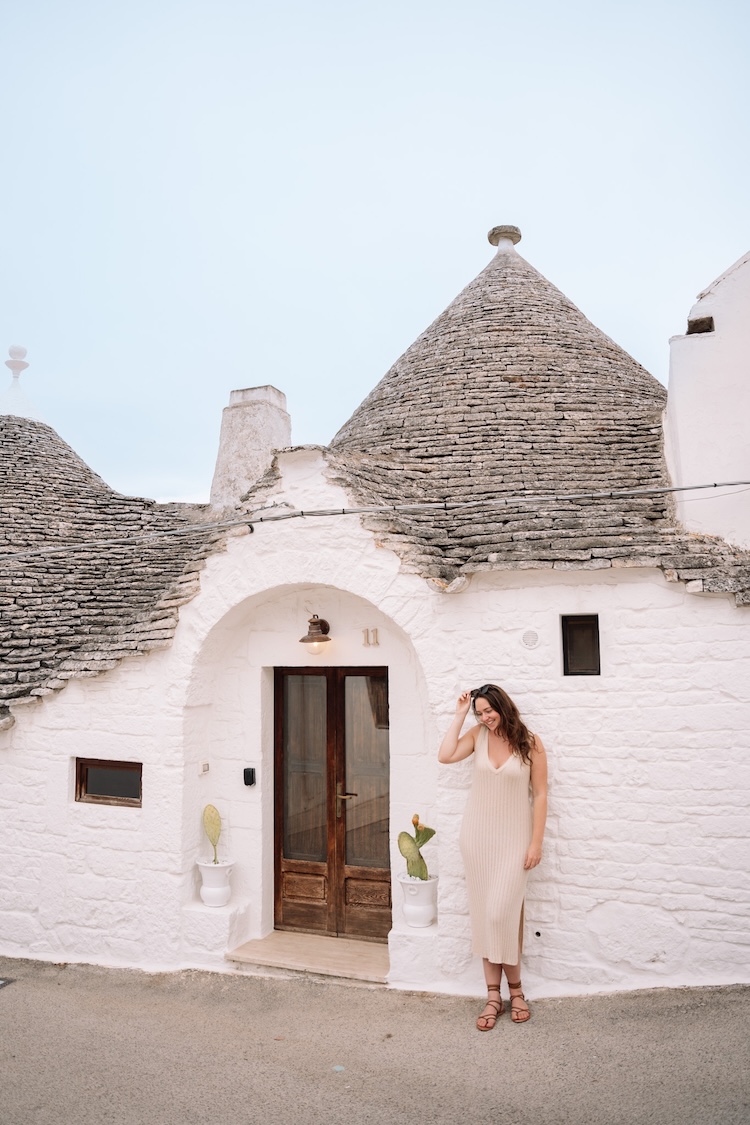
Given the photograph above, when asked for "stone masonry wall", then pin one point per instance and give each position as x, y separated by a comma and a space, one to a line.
644, 878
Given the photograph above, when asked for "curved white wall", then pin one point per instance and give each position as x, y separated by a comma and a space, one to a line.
706, 424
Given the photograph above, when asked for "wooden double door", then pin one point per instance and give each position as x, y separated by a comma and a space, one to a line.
332, 799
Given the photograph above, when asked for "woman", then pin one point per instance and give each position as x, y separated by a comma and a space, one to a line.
501, 835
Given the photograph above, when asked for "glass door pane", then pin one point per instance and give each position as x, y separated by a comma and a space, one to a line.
367, 770
305, 745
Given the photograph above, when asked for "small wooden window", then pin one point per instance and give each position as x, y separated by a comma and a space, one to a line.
108, 783
580, 636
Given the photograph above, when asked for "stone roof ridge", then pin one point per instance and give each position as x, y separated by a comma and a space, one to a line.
301, 448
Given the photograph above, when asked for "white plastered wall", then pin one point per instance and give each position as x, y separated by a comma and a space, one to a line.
92, 882
644, 879
708, 406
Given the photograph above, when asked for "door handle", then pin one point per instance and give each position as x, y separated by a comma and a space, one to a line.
342, 797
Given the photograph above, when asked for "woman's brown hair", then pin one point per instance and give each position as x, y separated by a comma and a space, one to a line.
512, 725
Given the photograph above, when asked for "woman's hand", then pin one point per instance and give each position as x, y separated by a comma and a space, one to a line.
533, 857
464, 703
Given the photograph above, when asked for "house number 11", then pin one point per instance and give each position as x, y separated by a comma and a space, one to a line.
370, 638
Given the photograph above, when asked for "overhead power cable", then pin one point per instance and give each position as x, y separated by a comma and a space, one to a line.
271, 515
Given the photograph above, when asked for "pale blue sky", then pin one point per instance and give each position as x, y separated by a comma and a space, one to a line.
199, 195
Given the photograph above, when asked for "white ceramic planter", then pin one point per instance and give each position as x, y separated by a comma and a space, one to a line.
215, 888
420, 900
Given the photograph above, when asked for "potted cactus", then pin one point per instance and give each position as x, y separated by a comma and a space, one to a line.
215, 888
419, 887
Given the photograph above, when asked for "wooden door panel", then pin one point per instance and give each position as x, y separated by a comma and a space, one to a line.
367, 903
302, 898
366, 891
305, 885
302, 831
332, 862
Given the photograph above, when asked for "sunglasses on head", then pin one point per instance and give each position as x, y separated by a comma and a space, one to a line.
480, 691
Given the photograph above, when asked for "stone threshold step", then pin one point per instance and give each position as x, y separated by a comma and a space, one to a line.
312, 953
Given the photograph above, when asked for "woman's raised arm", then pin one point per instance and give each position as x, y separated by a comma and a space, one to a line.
454, 748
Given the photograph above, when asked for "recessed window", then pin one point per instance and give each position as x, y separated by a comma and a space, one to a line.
700, 325
108, 783
580, 637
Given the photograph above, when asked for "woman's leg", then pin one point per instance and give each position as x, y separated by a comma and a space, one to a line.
519, 1009
493, 975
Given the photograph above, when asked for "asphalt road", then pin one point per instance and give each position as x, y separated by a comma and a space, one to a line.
88, 1046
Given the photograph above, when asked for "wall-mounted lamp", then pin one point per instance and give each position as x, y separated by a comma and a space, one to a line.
317, 635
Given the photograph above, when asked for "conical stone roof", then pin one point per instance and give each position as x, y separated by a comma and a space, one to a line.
508, 370
512, 392
109, 594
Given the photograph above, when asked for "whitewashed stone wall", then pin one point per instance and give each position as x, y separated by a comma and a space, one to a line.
708, 407
83, 881
644, 881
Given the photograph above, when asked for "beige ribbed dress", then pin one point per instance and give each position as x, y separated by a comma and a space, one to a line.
495, 835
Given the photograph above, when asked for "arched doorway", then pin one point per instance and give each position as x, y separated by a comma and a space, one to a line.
230, 720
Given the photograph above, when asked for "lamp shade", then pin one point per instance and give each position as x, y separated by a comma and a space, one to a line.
317, 634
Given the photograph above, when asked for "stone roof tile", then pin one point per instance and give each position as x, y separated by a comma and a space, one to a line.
513, 391
78, 612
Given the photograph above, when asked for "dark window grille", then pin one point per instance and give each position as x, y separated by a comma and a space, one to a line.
580, 637
100, 782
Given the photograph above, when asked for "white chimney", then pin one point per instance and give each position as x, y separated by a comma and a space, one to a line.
252, 426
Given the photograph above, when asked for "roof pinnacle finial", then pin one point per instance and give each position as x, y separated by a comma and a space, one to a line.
504, 234
14, 401
17, 362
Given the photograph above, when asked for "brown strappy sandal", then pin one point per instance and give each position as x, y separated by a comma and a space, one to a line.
518, 1015
489, 1020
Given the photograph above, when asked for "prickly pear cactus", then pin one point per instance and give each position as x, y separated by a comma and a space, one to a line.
409, 847
212, 826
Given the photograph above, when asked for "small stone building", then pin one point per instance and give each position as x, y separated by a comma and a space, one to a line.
502, 507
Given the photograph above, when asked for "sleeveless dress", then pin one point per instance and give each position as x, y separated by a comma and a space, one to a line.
495, 835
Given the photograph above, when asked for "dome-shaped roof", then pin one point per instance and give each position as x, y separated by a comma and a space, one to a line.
510, 410
43, 483
511, 369
87, 576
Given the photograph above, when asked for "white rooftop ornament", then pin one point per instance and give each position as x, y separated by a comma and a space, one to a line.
14, 401
504, 237
17, 362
